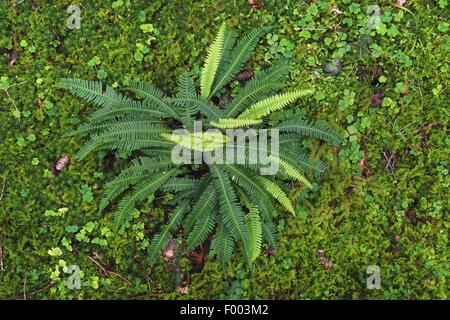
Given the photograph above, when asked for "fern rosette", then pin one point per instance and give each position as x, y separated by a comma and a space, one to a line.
232, 201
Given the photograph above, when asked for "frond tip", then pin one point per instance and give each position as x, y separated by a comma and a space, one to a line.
212, 62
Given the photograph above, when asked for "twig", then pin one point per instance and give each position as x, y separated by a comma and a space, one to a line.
3, 187
33, 293
108, 272
25, 288
1, 256
99, 265
390, 158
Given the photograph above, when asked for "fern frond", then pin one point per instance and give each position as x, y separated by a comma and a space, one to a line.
254, 226
212, 61
234, 123
186, 86
92, 92
140, 191
232, 214
278, 72
96, 127
271, 104
180, 184
199, 104
270, 233
141, 169
154, 97
276, 192
125, 136
206, 204
289, 140
291, 171
254, 189
198, 141
311, 129
252, 92
126, 108
223, 243
202, 218
238, 57
161, 239
265, 83
302, 160
253, 222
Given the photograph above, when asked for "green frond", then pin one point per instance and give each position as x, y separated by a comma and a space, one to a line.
125, 136
201, 230
117, 186
311, 129
254, 226
273, 103
186, 86
290, 140
302, 160
231, 212
234, 123
97, 127
205, 204
140, 169
186, 90
276, 192
142, 190
212, 61
92, 92
238, 57
180, 184
270, 233
228, 45
253, 92
291, 171
265, 83
161, 239
198, 141
154, 97
223, 243
202, 217
126, 108
199, 104
253, 188
279, 72
253, 222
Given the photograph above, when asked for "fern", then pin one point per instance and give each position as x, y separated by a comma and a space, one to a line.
315, 130
92, 92
161, 239
233, 203
264, 84
212, 62
277, 193
254, 225
238, 56
232, 214
154, 97
271, 104
141, 190
234, 123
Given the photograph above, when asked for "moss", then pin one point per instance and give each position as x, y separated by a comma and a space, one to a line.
357, 216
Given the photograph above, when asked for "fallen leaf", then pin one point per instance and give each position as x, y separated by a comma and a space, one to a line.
255, 4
